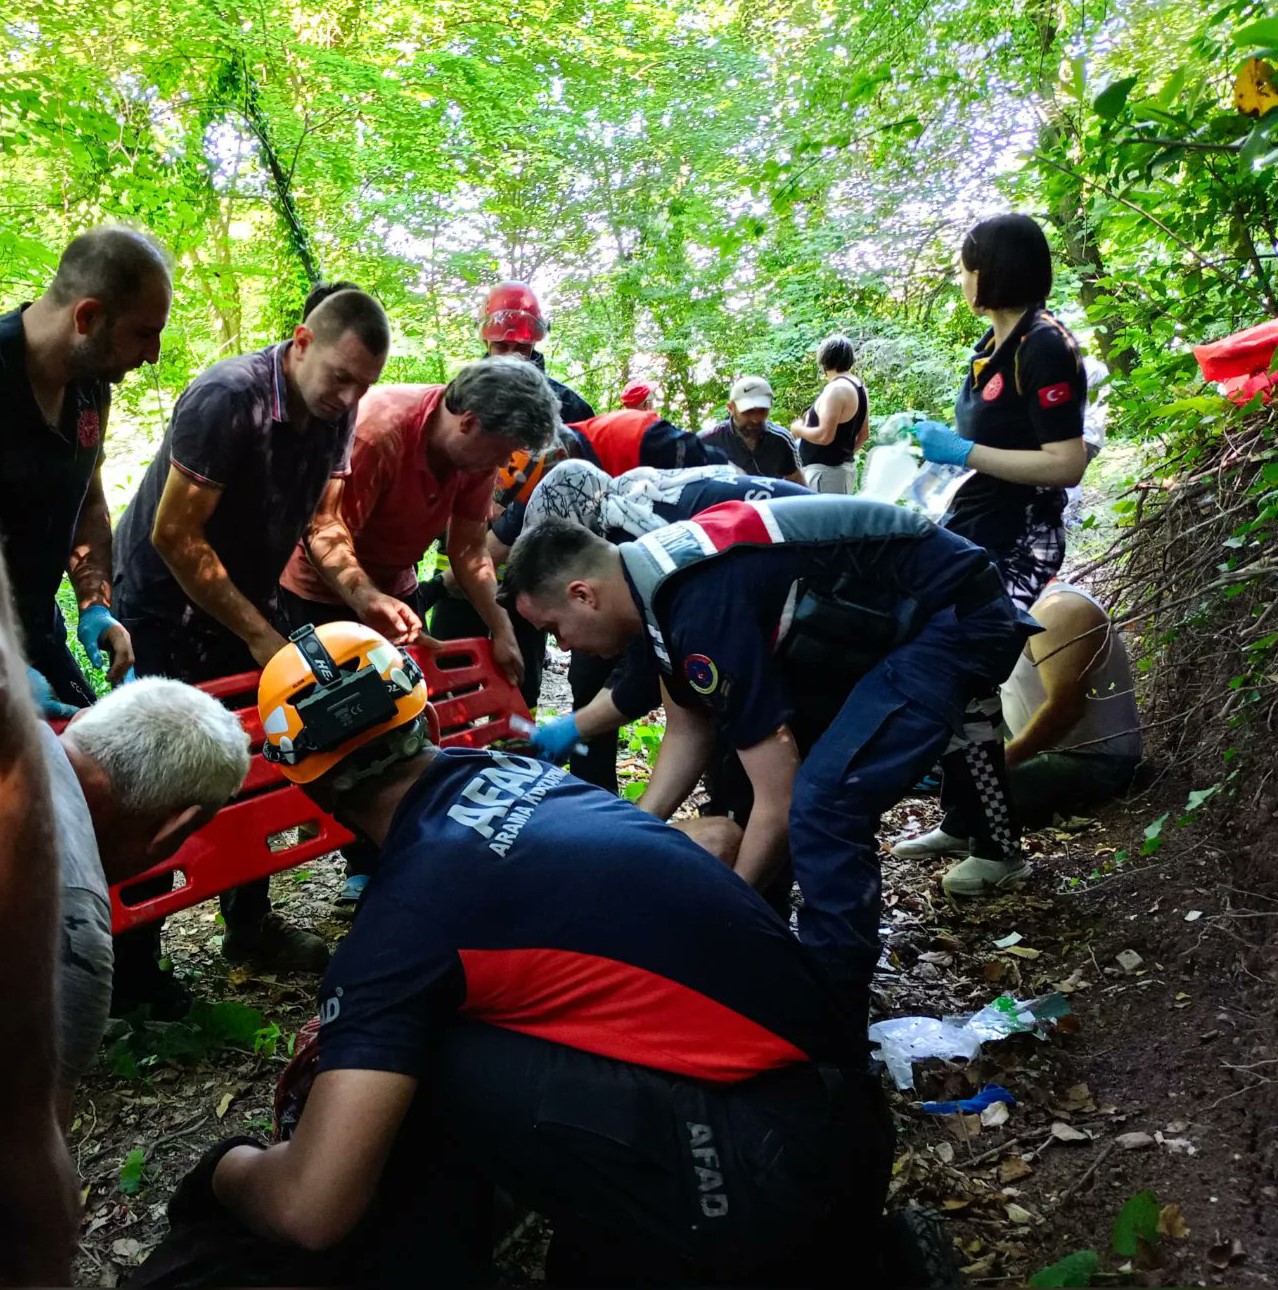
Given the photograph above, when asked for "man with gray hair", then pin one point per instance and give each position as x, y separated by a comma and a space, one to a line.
100, 318
131, 778
424, 459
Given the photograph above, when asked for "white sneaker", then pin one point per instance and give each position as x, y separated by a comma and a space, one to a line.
926, 845
979, 877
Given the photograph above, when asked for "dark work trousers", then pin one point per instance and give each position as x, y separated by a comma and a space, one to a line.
588, 675
934, 696
647, 1178
455, 618
50, 655
190, 653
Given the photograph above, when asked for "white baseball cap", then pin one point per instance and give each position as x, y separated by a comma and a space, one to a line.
750, 392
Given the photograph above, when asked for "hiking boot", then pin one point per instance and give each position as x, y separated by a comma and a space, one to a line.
275, 946
152, 988
927, 845
348, 901
976, 876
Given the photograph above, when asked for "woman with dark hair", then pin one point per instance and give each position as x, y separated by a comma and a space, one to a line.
836, 425
1019, 416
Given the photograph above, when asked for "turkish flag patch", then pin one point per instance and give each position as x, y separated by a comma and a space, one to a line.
1052, 396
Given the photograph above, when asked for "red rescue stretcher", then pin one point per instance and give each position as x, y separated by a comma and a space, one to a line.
272, 825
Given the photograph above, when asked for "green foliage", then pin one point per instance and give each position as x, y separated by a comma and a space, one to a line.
1075, 1269
207, 1029
1136, 1225
132, 1171
1154, 835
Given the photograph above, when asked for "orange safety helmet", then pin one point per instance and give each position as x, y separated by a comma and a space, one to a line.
511, 313
333, 691
524, 471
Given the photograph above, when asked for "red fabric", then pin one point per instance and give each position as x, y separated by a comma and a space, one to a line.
1242, 389
635, 393
732, 522
600, 1005
392, 503
1052, 395
1242, 354
617, 437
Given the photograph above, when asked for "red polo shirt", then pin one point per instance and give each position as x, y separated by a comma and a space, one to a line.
393, 504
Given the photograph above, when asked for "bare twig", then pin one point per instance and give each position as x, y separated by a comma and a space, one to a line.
1082, 1179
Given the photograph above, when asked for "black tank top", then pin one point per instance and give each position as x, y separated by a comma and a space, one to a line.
840, 449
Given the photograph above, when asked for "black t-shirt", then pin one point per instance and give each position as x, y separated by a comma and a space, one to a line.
230, 430
510, 893
45, 473
840, 449
775, 454
1032, 390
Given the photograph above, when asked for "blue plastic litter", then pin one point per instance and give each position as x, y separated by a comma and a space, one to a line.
990, 1094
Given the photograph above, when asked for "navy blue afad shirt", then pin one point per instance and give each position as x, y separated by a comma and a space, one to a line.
510, 893
722, 617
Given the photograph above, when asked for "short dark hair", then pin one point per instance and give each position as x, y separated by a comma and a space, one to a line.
546, 558
351, 310
510, 397
321, 292
1014, 263
835, 354
111, 264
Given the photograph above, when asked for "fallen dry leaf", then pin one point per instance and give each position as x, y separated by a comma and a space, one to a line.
1134, 1141
224, 1104
962, 1127
995, 1114
1013, 1169
953, 1204
1171, 1222
994, 970
944, 1152
1063, 1132
982, 1267
126, 1248
1223, 1253
1022, 952
1017, 1214
1078, 1097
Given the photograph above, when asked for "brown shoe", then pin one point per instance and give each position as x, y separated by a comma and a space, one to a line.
276, 946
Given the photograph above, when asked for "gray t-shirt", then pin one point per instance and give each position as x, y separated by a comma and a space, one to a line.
86, 959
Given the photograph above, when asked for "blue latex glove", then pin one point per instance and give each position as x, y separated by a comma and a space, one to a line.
95, 622
49, 706
556, 738
990, 1094
941, 445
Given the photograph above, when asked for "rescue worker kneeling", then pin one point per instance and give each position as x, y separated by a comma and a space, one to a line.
547, 991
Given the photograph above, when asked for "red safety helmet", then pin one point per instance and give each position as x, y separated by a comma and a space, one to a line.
636, 394
511, 313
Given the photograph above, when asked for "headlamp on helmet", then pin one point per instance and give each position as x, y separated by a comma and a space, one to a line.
333, 691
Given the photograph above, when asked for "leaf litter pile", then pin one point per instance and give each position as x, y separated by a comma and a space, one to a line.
1122, 1155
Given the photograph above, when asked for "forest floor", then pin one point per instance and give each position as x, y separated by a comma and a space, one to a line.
1170, 1047
1169, 1037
